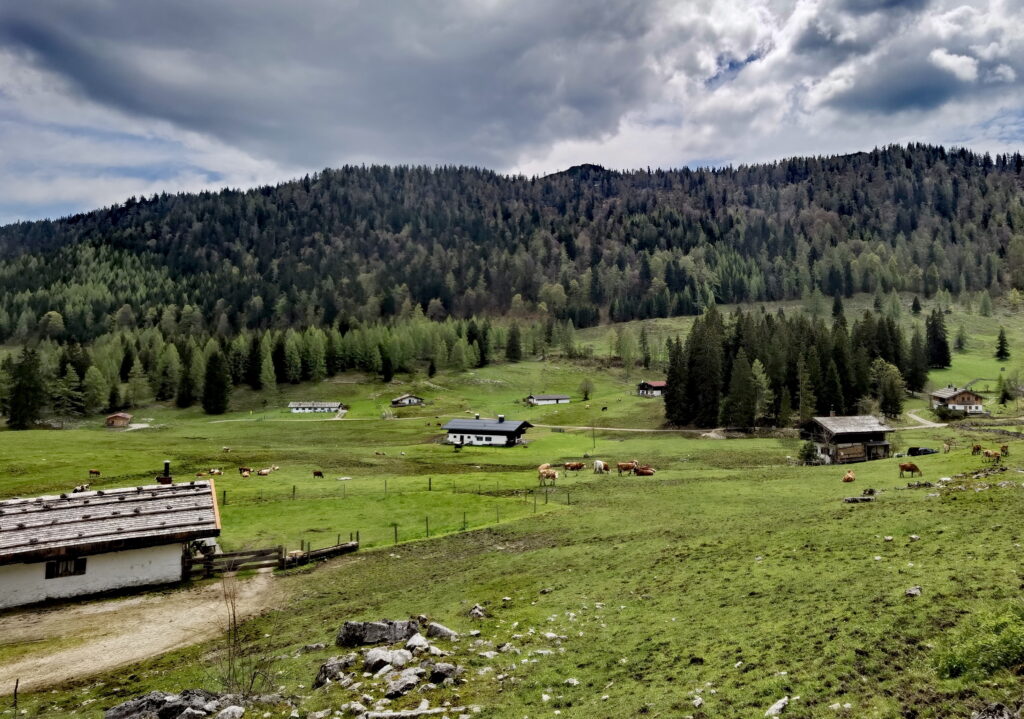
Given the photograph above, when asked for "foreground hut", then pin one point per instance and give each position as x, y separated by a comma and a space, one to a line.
857, 438
486, 432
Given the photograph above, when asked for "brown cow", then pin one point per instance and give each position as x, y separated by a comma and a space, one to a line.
850, 476
246, 474
600, 467
243, 470
544, 466
574, 466
318, 473
216, 472
263, 473
548, 476
627, 467
910, 467
645, 471
1005, 450
992, 455
976, 449
94, 473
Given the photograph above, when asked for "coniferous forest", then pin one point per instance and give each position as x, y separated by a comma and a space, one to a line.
381, 268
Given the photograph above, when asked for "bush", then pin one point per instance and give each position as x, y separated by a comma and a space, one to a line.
985, 645
809, 453
949, 415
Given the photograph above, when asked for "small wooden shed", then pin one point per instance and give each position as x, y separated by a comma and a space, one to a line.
118, 419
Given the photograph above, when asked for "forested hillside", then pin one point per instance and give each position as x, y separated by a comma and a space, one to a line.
360, 244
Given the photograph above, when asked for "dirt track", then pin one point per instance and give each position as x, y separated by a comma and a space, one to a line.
110, 634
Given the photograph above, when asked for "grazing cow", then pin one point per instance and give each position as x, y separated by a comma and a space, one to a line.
644, 471
381, 454
243, 470
992, 455
910, 467
94, 473
1005, 450
574, 466
246, 474
216, 472
945, 447
627, 467
849, 476
263, 473
274, 468
976, 449
80, 488
544, 466
604, 409
318, 473
548, 476
225, 449
600, 467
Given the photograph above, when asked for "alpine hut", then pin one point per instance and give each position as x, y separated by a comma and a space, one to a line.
406, 400
955, 398
857, 438
536, 399
83, 543
305, 407
655, 388
486, 432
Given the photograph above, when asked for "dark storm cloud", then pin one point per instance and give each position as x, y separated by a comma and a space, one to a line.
909, 85
862, 7
311, 83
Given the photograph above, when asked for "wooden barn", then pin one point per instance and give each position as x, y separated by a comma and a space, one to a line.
655, 388
536, 399
955, 398
118, 419
305, 407
88, 542
486, 432
406, 400
858, 438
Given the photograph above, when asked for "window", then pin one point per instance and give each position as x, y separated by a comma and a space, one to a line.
65, 568
479, 439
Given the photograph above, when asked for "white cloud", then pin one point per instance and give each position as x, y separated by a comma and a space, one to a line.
962, 66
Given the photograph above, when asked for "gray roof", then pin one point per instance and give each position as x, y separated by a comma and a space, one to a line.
856, 423
406, 396
106, 520
947, 392
550, 396
317, 405
491, 426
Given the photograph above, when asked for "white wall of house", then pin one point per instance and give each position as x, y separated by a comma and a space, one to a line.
650, 393
27, 583
959, 407
476, 439
408, 401
301, 410
548, 401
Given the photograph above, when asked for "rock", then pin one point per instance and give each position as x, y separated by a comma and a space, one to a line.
489, 654
887, 538
314, 647
996, 711
477, 612
444, 670
440, 631
404, 682
913, 592
386, 631
914, 537
231, 712
377, 658
776, 709
417, 642
169, 706
333, 670
698, 702
546, 590
190, 713
572, 681
323, 714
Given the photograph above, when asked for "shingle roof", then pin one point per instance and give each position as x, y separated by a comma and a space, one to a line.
550, 396
406, 396
656, 383
317, 405
125, 415
106, 520
856, 423
947, 392
491, 426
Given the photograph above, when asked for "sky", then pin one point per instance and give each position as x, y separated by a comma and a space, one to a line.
106, 99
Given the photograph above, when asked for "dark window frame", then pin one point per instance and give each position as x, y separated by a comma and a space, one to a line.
67, 567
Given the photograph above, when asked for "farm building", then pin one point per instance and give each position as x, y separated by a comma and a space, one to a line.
536, 399
83, 543
406, 400
118, 419
651, 389
963, 400
302, 407
849, 439
486, 432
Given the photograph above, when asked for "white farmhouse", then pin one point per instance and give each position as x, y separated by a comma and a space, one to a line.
536, 399
304, 407
406, 400
963, 400
486, 432
83, 543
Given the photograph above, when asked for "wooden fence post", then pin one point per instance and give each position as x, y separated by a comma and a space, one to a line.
396, 532
464, 523
224, 497
293, 491
281, 561
430, 484
427, 520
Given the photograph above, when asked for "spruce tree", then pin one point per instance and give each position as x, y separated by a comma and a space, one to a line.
216, 384
837, 306
431, 368
739, 407
674, 396
785, 409
1002, 346
832, 390
915, 306
936, 342
917, 364
138, 385
267, 377
27, 395
513, 345
94, 389
960, 343
114, 402
806, 400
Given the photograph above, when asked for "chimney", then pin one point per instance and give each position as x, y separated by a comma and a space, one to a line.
166, 477
831, 413
501, 418
478, 416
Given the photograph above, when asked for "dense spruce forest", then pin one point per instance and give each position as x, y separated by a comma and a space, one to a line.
388, 269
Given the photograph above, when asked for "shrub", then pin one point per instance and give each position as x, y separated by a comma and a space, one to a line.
949, 415
985, 644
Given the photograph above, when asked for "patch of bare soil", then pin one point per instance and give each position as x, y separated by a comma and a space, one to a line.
110, 634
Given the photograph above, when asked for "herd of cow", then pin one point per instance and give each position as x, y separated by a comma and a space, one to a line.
991, 455
546, 473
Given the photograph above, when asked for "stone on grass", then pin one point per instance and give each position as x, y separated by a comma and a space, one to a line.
404, 682
444, 670
913, 592
996, 711
477, 612
440, 631
914, 537
417, 642
232, 712
776, 709
386, 631
572, 681
333, 670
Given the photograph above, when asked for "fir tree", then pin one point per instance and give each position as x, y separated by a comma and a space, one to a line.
740, 405
832, 390
837, 306
806, 401
513, 345
677, 411
915, 306
138, 385
917, 364
27, 395
785, 409
267, 376
1002, 346
936, 342
960, 343
114, 402
94, 389
431, 368
216, 384
67, 395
